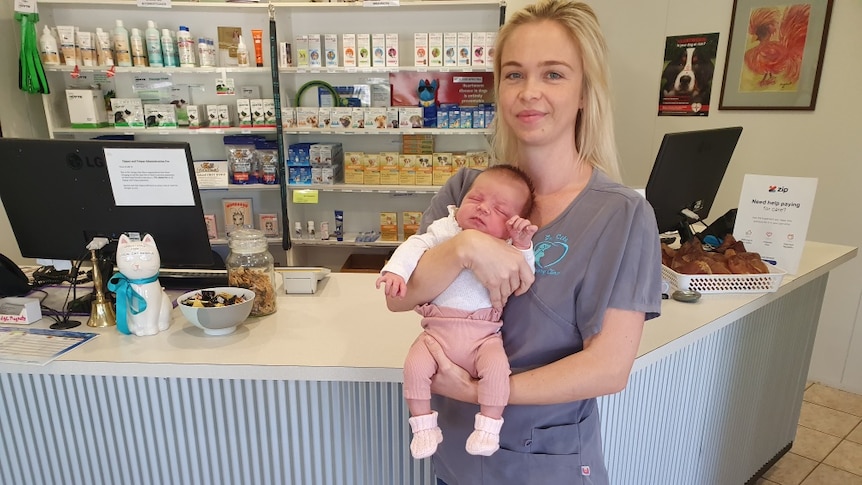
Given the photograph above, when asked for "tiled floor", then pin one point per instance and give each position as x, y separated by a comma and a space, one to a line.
828, 445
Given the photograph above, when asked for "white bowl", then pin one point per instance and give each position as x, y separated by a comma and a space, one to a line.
218, 320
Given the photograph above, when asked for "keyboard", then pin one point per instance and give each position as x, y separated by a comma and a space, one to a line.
192, 279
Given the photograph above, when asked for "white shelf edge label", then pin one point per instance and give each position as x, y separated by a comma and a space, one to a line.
154, 3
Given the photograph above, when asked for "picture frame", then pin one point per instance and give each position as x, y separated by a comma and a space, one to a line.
775, 54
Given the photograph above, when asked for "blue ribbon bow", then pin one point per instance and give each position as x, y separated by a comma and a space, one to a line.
127, 296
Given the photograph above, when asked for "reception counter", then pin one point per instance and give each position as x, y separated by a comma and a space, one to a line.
312, 394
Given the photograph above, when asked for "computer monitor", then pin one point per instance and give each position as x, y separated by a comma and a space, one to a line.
686, 176
60, 194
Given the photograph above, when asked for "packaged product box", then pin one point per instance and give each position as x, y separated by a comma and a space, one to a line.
212, 115
196, 119
127, 112
375, 118
268, 223
465, 43
388, 226
478, 160
409, 117
363, 50
223, 115
86, 108
424, 170
269, 113
212, 227
371, 167
348, 46
435, 49
243, 113
354, 169
299, 175
288, 117
237, 214
490, 39
478, 49
330, 50
420, 49
392, 52
442, 167
410, 221
301, 51
459, 161
324, 118
315, 51
342, 118
389, 170
306, 118
450, 49
160, 116
406, 169
228, 40
256, 112
378, 50
358, 118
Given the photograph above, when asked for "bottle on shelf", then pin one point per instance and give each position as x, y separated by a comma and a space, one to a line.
154, 45
241, 53
169, 52
104, 51
48, 49
121, 45
136, 45
185, 47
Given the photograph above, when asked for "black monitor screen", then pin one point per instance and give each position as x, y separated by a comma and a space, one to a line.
686, 175
60, 194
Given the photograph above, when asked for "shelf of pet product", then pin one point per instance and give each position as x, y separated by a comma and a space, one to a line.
382, 70
388, 131
369, 189
227, 5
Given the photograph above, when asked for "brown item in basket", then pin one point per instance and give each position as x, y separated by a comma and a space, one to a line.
691, 259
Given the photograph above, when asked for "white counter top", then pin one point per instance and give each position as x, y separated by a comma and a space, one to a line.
345, 333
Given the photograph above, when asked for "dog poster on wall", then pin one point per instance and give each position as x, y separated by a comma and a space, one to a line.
687, 71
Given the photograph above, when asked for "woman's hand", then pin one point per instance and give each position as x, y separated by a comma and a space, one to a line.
497, 265
451, 380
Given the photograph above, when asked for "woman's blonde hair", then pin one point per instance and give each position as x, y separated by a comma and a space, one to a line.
594, 130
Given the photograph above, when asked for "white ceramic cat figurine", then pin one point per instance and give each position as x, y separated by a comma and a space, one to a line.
138, 262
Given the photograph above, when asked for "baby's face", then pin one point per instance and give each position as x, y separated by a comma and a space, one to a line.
492, 200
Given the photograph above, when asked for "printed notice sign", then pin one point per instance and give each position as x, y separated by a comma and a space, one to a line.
773, 217
149, 176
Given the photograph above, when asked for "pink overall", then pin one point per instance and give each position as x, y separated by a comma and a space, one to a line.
471, 340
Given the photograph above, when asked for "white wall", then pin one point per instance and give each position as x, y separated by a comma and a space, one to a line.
824, 143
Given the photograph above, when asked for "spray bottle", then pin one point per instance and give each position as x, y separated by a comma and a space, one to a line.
185, 47
241, 54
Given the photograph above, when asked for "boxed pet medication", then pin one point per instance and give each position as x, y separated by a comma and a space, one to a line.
389, 171
410, 221
420, 49
288, 117
410, 117
490, 39
348, 46
196, 119
392, 53
363, 49
459, 161
299, 175
269, 112
315, 52
378, 50
301, 51
424, 170
223, 115
358, 118
478, 49
435, 49
256, 111
306, 118
406, 169
465, 42
127, 112
330, 50
371, 168
342, 118
243, 113
86, 108
442, 167
354, 169
450, 49
388, 226
160, 115
375, 118
478, 160
212, 115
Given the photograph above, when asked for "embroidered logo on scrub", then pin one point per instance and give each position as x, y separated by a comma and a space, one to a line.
550, 252
585, 470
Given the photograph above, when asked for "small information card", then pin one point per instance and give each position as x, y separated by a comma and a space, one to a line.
773, 217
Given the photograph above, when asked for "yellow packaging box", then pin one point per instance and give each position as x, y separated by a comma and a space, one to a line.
388, 226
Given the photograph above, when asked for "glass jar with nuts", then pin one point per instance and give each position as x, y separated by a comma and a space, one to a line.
251, 265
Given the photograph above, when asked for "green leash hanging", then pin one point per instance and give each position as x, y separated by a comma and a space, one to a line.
31, 74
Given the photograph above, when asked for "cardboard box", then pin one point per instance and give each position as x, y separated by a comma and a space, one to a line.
86, 108
223, 115
478, 49
378, 50
243, 113
424, 170
127, 112
411, 221
406, 169
388, 226
363, 48
301, 51
160, 116
392, 51
348, 46
420, 49
435, 49
330, 50
465, 43
315, 51
371, 169
196, 119
450, 49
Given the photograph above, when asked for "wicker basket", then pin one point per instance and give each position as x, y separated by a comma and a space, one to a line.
725, 283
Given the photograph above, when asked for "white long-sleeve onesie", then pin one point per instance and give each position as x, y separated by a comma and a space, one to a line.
466, 292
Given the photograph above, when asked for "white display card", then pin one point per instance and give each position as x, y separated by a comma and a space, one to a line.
773, 217
149, 176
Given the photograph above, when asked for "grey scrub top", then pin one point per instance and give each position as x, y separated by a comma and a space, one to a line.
601, 252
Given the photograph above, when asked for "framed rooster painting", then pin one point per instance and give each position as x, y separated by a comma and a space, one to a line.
775, 54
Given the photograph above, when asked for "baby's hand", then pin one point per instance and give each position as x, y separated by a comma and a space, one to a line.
394, 285
521, 231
